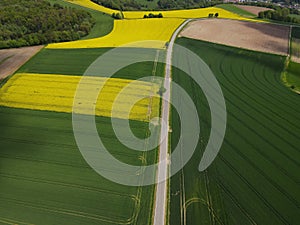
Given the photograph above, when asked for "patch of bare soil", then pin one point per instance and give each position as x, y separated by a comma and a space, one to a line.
252, 9
12, 59
262, 37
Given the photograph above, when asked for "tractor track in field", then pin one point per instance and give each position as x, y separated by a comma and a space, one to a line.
89, 188
264, 92
262, 105
55, 163
64, 211
250, 116
258, 194
236, 202
271, 144
262, 173
258, 86
271, 131
253, 99
295, 202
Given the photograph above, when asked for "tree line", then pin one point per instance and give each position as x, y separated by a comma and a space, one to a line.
130, 5
280, 14
31, 22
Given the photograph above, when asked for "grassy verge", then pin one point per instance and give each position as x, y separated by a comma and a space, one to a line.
291, 73
293, 76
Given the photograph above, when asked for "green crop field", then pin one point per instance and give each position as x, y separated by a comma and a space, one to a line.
236, 10
69, 62
44, 178
292, 78
254, 179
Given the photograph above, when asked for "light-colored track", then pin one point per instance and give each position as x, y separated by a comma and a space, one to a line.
160, 203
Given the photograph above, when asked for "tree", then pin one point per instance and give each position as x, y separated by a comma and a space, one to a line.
32, 22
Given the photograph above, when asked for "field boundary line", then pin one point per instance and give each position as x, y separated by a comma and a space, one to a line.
162, 171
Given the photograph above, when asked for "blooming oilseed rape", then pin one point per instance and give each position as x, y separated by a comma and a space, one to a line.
121, 98
187, 13
183, 14
91, 5
128, 31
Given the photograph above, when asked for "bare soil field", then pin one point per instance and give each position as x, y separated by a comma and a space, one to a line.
12, 59
252, 9
262, 37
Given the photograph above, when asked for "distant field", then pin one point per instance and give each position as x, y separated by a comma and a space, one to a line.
254, 179
188, 13
12, 59
295, 44
252, 9
292, 76
236, 9
91, 5
262, 37
128, 31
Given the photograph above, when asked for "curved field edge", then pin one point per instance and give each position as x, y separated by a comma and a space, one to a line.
147, 33
291, 76
253, 180
183, 13
291, 73
103, 22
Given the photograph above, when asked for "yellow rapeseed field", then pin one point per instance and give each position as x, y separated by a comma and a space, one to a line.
128, 31
185, 14
121, 98
92, 5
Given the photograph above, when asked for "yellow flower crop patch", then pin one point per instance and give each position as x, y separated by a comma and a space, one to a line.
113, 97
183, 14
91, 5
186, 13
128, 31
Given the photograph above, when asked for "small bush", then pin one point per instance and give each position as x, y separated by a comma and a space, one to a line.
151, 15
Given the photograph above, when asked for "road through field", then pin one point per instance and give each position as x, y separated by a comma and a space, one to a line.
162, 172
